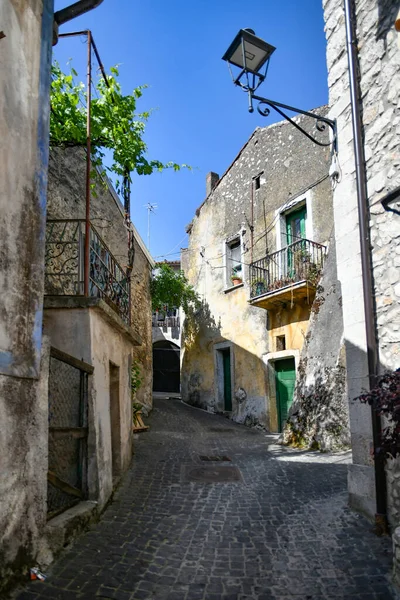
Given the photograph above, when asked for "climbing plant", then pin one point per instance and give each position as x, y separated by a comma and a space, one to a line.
384, 398
115, 124
171, 288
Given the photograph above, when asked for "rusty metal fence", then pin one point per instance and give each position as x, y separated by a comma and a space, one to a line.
68, 431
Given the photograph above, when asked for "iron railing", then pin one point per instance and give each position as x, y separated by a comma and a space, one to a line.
301, 261
166, 322
65, 266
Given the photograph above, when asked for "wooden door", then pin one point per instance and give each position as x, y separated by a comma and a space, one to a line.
285, 373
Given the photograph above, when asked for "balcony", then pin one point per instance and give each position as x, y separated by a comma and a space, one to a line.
287, 275
65, 266
165, 322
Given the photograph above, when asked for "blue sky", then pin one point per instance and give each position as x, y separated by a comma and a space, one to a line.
201, 119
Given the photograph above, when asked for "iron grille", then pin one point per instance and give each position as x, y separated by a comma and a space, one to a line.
65, 268
301, 261
68, 430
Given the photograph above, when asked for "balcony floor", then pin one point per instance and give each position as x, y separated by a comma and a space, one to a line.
291, 293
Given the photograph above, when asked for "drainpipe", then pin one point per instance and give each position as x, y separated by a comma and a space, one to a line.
381, 525
71, 12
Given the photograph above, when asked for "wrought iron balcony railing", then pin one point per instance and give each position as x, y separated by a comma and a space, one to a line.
64, 266
301, 261
166, 322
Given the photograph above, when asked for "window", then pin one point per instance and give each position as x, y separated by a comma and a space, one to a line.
257, 182
280, 343
233, 261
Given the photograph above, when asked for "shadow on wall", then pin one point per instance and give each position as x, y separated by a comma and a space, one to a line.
387, 13
220, 375
200, 331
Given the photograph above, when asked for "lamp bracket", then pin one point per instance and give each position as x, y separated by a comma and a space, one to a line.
264, 106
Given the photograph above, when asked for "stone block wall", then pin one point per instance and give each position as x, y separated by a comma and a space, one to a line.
379, 61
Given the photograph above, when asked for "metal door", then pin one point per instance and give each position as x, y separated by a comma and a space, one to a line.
68, 430
285, 374
166, 369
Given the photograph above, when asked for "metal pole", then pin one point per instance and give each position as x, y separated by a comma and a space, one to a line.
148, 228
368, 288
88, 163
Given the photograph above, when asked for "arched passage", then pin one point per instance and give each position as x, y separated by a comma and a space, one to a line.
166, 367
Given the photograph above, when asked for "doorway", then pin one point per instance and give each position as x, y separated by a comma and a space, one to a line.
166, 367
115, 419
223, 377
285, 379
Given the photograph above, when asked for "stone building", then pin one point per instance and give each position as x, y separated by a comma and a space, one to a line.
108, 329
25, 51
166, 337
26, 35
258, 246
366, 107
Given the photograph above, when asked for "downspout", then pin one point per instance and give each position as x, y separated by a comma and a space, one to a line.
366, 259
71, 12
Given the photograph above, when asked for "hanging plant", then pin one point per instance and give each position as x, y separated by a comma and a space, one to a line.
384, 399
115, 124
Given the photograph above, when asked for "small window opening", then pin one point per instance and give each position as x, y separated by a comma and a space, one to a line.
257, 183
280, 342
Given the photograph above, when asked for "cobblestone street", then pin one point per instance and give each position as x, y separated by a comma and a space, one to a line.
278, 530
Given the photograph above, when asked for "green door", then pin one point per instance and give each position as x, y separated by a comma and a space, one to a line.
285, 374
296, 225
295, 231
226, 358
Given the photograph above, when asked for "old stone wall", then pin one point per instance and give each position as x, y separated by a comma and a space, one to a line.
66, 199
25, 58
379, 59
141, 323
289, 167
319, 414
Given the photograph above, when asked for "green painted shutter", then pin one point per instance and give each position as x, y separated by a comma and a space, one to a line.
285, 372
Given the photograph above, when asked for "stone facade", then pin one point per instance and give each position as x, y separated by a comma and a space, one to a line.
379, 62
25, 58
66, 197
277, 172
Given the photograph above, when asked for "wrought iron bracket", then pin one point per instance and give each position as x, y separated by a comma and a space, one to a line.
264, 106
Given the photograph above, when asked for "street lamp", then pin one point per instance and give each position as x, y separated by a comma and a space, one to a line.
251, 55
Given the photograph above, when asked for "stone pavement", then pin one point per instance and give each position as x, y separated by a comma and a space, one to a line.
282, 531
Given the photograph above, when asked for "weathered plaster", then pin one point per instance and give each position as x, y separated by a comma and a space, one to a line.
294, 170
24, 111
87, 334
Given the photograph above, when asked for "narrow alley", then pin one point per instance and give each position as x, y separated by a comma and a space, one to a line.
266, 523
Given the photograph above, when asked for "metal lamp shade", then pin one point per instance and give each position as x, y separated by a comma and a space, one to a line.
248, 51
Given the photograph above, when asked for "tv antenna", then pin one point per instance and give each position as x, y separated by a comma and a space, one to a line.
151, 208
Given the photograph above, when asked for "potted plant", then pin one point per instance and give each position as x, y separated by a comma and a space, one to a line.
259, 287
236, 279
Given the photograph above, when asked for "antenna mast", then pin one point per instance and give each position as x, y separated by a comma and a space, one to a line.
151, 208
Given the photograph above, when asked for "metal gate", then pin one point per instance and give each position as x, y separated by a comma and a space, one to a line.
166, 369
68, 430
